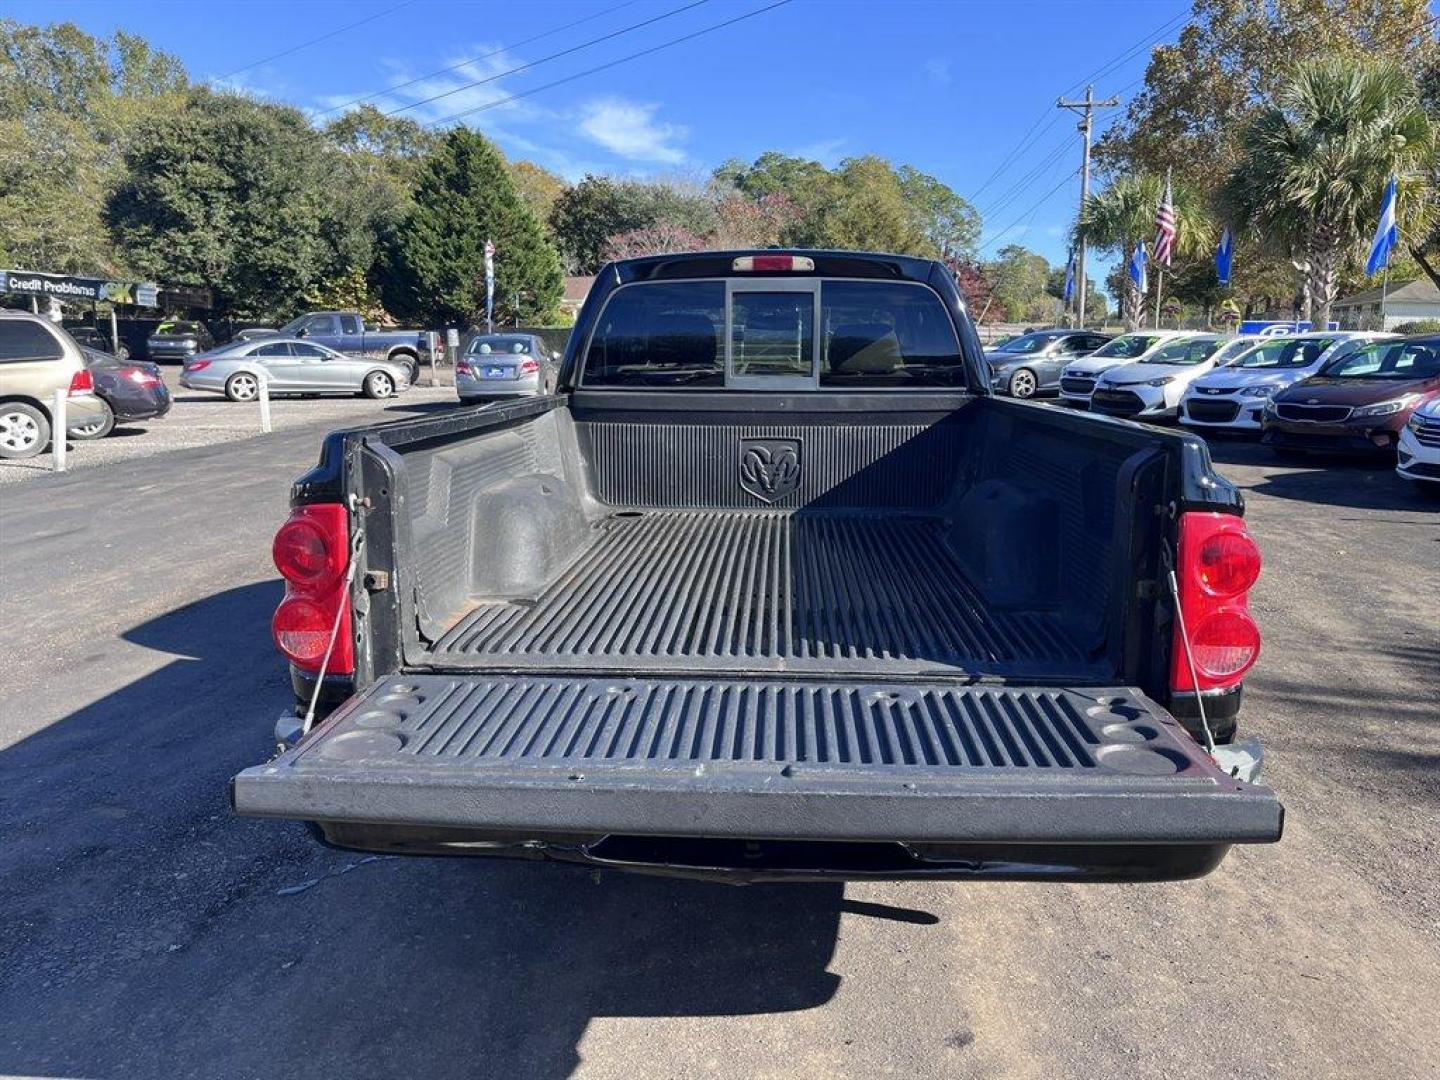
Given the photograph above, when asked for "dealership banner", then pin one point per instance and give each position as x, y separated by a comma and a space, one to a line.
67, 287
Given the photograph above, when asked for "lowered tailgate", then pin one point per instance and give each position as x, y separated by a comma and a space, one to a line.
992, 771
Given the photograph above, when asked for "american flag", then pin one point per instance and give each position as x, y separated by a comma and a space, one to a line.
1165, 227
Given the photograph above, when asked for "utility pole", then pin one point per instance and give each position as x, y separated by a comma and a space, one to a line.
1086, 109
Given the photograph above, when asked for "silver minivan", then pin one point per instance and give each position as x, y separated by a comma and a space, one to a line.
37, 357
504, 365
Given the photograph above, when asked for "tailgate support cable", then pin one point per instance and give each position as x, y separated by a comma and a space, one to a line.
1185, 643
309, 721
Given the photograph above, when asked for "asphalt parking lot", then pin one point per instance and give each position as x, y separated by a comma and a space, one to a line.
144, 931
201, 419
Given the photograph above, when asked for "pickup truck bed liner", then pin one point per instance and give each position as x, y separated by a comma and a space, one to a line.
783, 759
737, 590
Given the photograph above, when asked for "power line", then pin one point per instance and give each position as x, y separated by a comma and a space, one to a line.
315, 41
1031, 211
477, 59
553, 56
1026, 141
610, 64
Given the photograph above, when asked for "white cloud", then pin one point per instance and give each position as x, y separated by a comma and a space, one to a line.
825, 151
629, 130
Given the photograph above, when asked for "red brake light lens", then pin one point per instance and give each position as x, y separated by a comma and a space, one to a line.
141, 377
529, 367
82, 382
1226, 645
1228, 563
772, 264
300, 552
198, 365
463, 368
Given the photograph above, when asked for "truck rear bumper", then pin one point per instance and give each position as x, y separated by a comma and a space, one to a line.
800, 778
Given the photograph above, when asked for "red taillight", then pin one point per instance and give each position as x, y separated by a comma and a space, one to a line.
1228, 563
141, 377
81, 383
772, 264
529, 367
311, 551
197, 365
463, 368
1219, 562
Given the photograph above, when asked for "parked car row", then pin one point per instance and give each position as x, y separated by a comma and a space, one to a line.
1349, 391
291, 366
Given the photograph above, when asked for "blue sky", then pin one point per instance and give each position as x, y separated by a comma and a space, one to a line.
952, 87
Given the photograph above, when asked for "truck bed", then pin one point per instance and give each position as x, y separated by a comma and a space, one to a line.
741, 590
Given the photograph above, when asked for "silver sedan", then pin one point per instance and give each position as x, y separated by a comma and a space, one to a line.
504, 366
290, 366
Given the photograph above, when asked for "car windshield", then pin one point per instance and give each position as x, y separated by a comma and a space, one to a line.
1184, 352
488, 345
1284, 353
1389, 360
178, 328
1125, 347
1029, 344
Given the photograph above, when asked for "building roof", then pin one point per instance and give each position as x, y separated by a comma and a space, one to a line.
577, 288
1420, 291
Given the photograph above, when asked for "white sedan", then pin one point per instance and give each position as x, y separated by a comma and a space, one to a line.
290, 366
1419, 448
1077, 380
1152, 387
1234, 396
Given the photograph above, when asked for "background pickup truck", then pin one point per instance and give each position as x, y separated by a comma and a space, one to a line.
772, 588
346, 332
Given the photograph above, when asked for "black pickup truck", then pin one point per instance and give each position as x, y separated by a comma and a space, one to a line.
772, 588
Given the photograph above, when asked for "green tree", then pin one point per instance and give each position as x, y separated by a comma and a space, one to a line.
1313, 164
537, 187
868, 211
69, 103
1122, 214
229, 193
1018, 277
806, 185
949, 222
464, 197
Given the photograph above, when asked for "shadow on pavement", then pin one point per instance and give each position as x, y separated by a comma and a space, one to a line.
146, 931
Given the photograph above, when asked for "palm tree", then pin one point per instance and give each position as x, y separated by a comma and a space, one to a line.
1313, 165
1123, 214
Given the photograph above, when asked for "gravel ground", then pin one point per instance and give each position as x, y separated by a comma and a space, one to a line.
145, 931
198, 419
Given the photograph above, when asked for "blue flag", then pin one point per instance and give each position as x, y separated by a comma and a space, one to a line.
1068, 293
1223, 254
1387, 233
1137, 268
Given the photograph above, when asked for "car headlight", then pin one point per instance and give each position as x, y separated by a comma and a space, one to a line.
1259, 391
1164, 380
1386, 408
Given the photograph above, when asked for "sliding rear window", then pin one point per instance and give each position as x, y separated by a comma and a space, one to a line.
786, 334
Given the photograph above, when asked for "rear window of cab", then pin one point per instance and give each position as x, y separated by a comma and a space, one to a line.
769, 333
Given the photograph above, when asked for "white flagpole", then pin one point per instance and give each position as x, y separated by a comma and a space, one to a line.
1384, 289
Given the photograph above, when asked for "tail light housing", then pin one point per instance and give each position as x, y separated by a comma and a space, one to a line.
82, 382
141, 377
196, 365
462, 367
529, 367
1219, 563
312, 553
